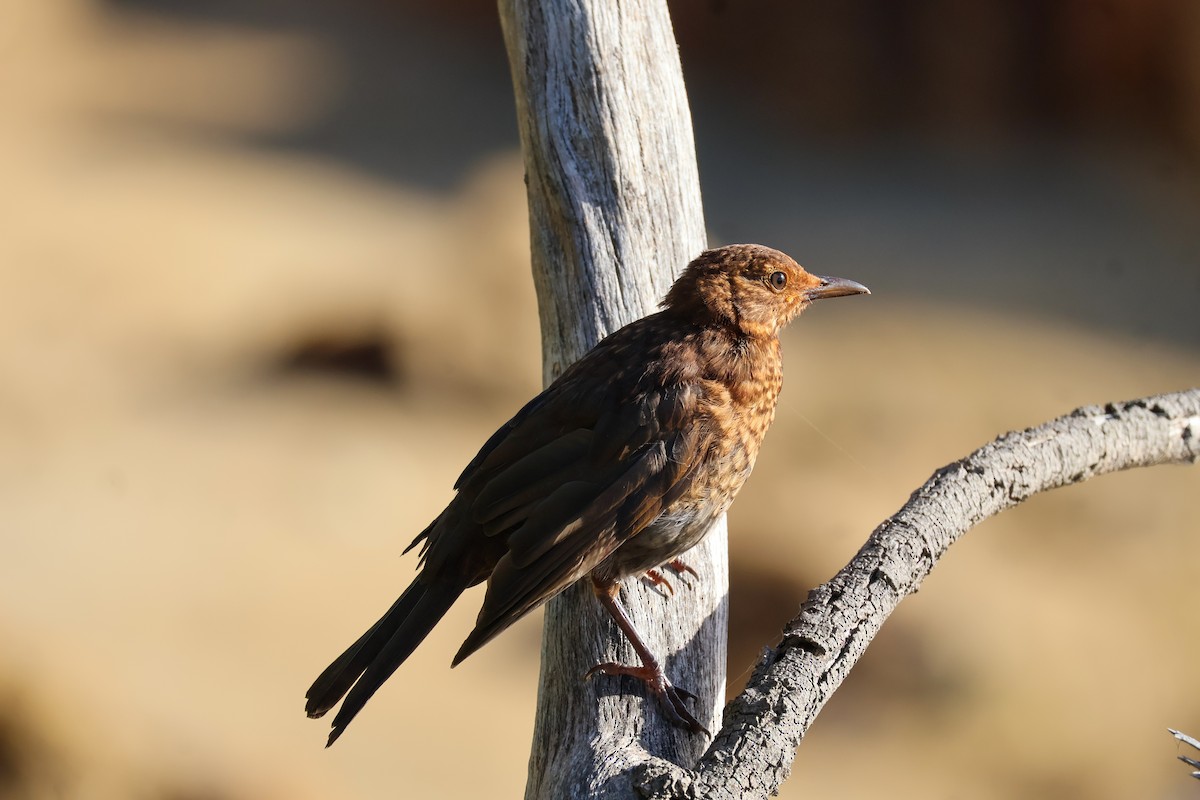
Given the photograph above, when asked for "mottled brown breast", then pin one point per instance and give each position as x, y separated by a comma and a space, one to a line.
735, 384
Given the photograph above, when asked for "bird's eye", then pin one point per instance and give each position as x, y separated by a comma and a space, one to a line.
778, 280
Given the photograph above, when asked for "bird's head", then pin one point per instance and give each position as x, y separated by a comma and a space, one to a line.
752, 288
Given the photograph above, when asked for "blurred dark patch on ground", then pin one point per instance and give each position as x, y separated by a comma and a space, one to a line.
363, 355
29, 765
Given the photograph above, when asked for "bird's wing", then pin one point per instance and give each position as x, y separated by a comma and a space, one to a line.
543, 435
564, 503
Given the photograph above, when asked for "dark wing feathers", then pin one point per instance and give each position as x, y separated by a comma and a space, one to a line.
531, 477
684, 450
556, 517
561, 408
508, 446
619, 431
580, 525
565, 565
500, 436
578, 470
677, 405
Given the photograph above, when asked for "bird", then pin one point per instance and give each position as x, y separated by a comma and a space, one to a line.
617, 468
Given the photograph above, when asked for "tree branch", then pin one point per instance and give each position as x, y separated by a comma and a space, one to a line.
753, 752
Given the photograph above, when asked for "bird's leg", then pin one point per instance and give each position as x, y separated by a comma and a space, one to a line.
676, 565
670, 697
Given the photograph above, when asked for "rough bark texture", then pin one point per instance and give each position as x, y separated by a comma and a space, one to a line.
753, 752
615, 213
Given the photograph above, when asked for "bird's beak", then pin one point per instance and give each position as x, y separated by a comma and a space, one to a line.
835, 287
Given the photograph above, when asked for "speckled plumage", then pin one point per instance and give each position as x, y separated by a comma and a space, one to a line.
619, 466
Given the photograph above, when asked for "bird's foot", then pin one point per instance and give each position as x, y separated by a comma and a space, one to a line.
676, 565
669, 697
679, 566
658, 581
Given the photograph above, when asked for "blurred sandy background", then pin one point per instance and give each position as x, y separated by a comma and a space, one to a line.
264, 288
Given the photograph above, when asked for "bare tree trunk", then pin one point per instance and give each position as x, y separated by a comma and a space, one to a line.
615, 213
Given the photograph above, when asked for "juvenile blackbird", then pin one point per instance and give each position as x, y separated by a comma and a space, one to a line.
617, 468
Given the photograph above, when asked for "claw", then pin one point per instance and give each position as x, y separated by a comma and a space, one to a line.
680, 567
686, 694
670, 697
656, 580
676, 565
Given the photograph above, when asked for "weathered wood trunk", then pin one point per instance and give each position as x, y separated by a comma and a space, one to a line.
615, 213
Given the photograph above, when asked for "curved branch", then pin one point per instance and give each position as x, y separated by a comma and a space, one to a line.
753, 752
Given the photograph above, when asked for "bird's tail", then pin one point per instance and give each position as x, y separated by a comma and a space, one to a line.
370, 661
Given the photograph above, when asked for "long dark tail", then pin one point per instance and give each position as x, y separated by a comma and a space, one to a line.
371, 660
